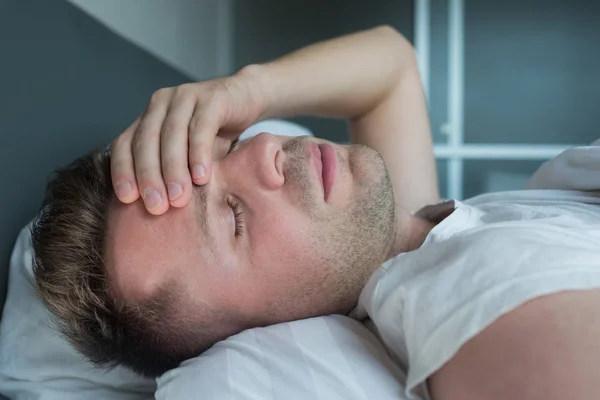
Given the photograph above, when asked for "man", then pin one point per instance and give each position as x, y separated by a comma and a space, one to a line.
207, 236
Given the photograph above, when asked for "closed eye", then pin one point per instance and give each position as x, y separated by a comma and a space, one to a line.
238, 214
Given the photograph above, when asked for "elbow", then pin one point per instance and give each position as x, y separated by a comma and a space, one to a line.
404, 51
393, 34
400, 41
387, 30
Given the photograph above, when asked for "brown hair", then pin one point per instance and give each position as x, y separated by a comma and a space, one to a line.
149, 337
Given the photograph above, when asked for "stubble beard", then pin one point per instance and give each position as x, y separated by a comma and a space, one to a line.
352, 243
367, 229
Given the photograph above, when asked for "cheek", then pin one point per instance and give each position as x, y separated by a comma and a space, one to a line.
281, 244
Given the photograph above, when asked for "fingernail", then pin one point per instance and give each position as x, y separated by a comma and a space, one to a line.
152, 198
198, 171
175, 190
123, 189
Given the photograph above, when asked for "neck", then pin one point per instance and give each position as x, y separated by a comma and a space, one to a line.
410, 234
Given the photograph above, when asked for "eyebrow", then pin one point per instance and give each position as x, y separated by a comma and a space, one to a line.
200, 196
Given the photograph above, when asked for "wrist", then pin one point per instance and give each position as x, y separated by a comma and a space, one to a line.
256, 80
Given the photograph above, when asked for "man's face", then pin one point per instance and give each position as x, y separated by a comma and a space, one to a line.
297, 253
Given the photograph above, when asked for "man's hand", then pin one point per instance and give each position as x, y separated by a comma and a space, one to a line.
173, 142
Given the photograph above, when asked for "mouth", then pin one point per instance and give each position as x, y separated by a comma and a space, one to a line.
325, 162
328, 168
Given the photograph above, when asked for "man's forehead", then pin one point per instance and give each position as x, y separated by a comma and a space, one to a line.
144, 251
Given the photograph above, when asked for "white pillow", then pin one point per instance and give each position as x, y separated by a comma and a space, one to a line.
324, 358
279, 127
38, 364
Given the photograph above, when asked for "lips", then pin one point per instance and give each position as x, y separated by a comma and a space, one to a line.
316, 158
324, 160
328, 168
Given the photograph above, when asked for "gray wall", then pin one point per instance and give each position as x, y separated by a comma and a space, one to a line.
191, 35
265, 29
531, 71
67, 84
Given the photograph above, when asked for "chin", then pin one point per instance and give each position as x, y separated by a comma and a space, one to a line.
366, 164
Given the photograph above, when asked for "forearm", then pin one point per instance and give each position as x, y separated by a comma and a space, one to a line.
346, 77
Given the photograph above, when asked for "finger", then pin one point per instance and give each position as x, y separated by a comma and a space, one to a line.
146, 155
174, 150
121, 165
204, 126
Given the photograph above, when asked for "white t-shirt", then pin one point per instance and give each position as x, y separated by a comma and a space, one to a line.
491, 254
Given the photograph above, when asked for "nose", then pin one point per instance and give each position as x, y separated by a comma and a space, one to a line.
263, 156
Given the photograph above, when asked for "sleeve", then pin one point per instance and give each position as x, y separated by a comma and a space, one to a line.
577, 168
